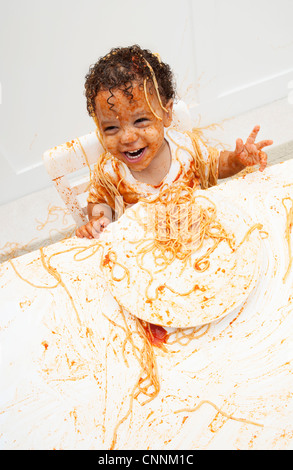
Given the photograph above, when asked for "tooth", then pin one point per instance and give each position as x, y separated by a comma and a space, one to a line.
134, 153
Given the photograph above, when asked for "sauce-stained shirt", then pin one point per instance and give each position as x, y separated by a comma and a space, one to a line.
182, 168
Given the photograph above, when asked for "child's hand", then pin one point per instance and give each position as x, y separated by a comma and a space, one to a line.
251, 153
93, 228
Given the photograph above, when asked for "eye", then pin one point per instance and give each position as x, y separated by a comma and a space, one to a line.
142, 120
110, 129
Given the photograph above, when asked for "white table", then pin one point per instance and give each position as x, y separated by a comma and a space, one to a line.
67, 372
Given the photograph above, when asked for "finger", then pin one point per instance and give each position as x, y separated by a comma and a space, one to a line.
104, 221
84, 232
88, 232
263, 158
263, 143
96, 225
252, 136
239, 146
79, 232
96, 228
96, 234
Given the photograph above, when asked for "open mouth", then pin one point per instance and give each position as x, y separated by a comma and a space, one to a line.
134, 156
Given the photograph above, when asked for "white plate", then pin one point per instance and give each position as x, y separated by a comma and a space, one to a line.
170, 298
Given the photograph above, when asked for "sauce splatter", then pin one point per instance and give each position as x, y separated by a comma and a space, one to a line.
157, 335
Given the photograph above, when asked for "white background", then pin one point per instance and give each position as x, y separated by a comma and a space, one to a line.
229, 56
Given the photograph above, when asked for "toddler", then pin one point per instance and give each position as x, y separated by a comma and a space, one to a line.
130, 94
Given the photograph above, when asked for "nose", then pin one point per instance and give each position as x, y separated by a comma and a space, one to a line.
128, 135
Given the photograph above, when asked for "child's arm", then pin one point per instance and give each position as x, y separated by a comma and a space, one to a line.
248, 154
100, 215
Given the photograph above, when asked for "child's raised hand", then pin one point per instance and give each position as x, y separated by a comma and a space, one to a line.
93, 228
251, 153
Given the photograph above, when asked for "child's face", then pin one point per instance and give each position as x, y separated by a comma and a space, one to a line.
130, 131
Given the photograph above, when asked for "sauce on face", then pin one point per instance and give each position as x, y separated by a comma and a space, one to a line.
129, 125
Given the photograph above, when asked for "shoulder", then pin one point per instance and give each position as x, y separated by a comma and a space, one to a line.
104, 161
179, 138
187, 141
109, 165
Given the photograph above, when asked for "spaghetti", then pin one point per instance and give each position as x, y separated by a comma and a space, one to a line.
110, 189
289, 223
195, 227
183, 223
148, 383
226, 415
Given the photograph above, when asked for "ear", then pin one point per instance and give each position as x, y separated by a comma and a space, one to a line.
167, 119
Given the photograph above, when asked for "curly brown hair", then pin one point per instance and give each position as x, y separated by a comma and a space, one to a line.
123, 65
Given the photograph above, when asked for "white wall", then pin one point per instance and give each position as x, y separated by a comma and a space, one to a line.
243, 53
228, 56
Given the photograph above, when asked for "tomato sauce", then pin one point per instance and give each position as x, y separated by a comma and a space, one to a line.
156, 334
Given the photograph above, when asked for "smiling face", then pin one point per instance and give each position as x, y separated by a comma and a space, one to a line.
130, 130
